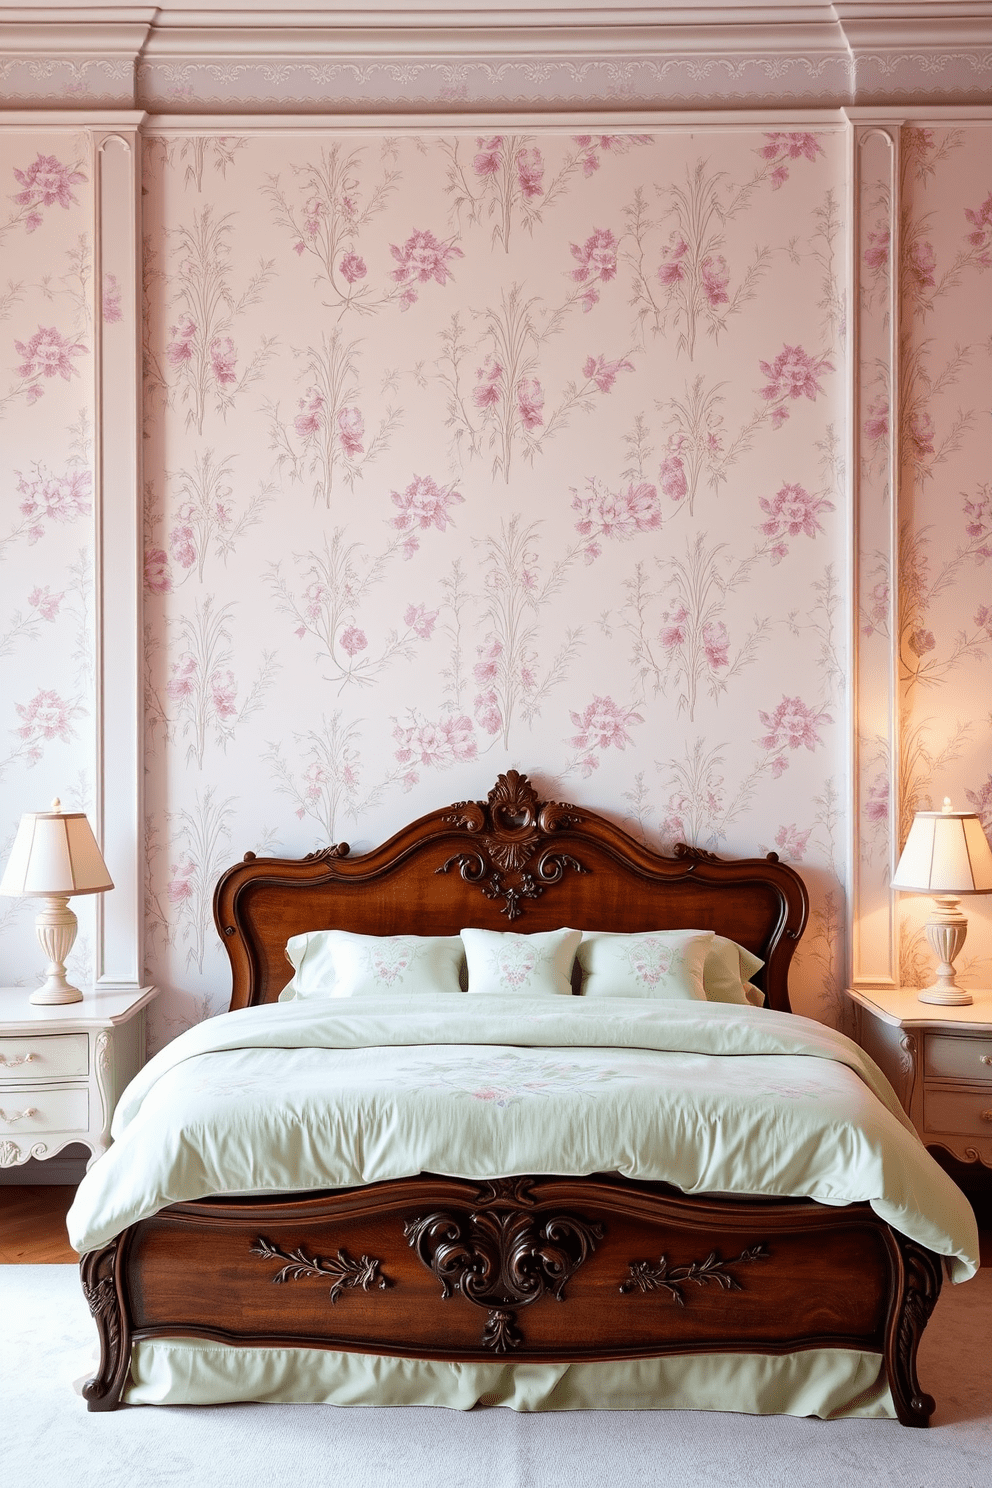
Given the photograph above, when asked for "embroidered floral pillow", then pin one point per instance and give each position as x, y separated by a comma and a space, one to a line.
502, 963
655, 963
337, 963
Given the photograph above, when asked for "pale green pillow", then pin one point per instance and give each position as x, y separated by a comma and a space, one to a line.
502, 963
338, 963
726, 973
653, 963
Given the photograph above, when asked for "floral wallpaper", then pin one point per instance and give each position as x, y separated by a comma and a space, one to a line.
467, 451
46, 537
474, 451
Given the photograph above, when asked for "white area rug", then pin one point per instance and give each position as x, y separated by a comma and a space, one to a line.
49, 1440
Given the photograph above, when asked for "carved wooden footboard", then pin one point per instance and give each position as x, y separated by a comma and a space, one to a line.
539, 1269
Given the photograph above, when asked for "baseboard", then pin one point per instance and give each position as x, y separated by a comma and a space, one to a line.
68, 1168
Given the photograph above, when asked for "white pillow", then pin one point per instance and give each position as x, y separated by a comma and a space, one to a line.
726, 971
654, 963
338, 963
503, 963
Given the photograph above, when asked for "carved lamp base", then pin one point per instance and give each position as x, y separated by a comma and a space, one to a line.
946, 930
56, 927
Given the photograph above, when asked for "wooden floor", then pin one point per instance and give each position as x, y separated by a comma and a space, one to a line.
32, 1226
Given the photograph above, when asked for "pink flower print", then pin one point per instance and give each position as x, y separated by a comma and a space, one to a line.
48, 354
716, 644
618, 514
223, 691
313, 213
353, 640
981, 802
673, 631
489, 385
793, 725
315, 595
672, 478
310, 419
112, 311
489, 158
530, 173
45, 602
877, 800
180, 348
157, 577
182, 545
422, 505
47, 183
487, 712
877, 422
979, 522
793, 374
981, 238
876, 255
421, 620
57, 498
47, 716
715, 276
672, 270
921, 641
779, 416
793, 510
223, 355
181, 887
792, 843
779, 177
604, 373
603, 725
530, 402
422, 259
182, 683
789, 145
983, 619
922, 262
353, 268
486, 668
597, 258
921, 432
878, 607
351, 429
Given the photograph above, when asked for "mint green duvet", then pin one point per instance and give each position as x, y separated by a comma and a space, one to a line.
710, 1097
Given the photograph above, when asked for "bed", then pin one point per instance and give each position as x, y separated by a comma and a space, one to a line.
544, 1287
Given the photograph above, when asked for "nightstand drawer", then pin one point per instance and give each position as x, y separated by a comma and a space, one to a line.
951, 1058
56, 1108
44, 1057
962, 1112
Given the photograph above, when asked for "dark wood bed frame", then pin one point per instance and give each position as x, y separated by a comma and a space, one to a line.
533, 1268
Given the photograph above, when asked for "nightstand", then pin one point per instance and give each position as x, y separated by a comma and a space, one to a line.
939, 1061
63, 1068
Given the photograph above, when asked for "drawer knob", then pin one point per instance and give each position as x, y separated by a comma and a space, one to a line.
986, 1115
27, 1058
986, 1058
12, 1116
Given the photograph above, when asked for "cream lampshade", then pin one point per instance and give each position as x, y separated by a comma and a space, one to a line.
946, 854
54, 856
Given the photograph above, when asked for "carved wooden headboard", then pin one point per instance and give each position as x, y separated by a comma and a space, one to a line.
510, 860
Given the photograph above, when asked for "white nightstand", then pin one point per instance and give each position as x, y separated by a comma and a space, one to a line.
939, 1060
62, 1069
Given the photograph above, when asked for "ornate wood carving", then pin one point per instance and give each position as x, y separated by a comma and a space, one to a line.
345, 1271
328, 854
509, 829
910, 1312
644, 1277
98, 1274
700, 855
502, 1258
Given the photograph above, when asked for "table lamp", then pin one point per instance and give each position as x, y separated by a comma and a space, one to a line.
946, 854
54, 856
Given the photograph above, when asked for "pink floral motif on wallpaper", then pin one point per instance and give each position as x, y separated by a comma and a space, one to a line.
54, 498
329, 424
595, 146
48, 716
792, 512
793, 374
205, 517
422, 259
792, 725
781, 146
602, 724
423, 505
981, 802
47, 354
597, 264
980, 239
436, 746
614, 514
202, 687
46, 183
792, 843
111, 300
